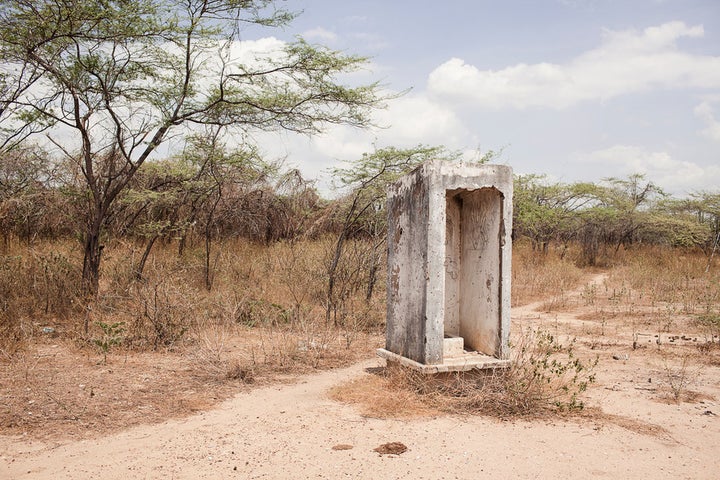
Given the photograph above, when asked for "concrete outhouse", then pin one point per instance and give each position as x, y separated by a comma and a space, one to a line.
449, 259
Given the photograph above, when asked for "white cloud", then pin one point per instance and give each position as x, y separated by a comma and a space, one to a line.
625, 62
707, 114
214, 58
321, 34
675, 176
256, 52
342, 142
630, 159
408, 121
414, 119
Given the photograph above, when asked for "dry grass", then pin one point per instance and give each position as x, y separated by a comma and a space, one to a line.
537, 276
385, 393
164, 345
664, 277
181, 347
544, 378
664, 292
279, 289
38, 285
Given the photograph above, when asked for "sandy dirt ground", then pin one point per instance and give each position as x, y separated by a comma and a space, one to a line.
289, 431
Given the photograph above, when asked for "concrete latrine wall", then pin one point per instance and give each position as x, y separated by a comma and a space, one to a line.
406, 333
449, 255
473, 268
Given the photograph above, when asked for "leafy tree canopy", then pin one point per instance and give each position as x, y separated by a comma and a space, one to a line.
111, 80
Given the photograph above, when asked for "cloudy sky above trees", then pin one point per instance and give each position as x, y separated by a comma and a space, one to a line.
575, 89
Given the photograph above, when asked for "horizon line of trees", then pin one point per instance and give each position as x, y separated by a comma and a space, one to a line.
604, 216
210, 192
107, 83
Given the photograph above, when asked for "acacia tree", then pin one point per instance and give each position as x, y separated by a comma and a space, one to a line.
706, 207
545, 211
152, 205
699, 219
222, 178
115, 78
363, 213
633, 199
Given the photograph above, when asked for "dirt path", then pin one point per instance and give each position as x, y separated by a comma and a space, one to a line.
289, 431
531, 310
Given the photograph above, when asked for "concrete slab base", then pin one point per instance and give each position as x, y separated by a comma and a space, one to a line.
460, 363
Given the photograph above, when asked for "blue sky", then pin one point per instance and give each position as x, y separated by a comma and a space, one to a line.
575, 89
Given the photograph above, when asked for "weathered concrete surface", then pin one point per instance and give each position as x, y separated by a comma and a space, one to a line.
453, 347
462, 363
449, 257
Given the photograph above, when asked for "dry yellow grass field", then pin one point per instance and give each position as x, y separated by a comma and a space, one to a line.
651, 319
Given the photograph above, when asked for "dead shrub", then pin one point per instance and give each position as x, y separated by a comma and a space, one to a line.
253, 312
545, 378
291, 348
166, 310
12, 335
710, 326
678, 378
37, 286
212, 356
158, 315
12, 305
56, 284
237, 371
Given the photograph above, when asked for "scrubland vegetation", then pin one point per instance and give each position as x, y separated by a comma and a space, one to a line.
258, 246
231, 274
223, 266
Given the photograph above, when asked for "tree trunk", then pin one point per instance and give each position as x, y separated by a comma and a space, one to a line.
331, 304
93, 249
181, 244
372, 279
146, 254
208, 273
375, 259
91, 262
